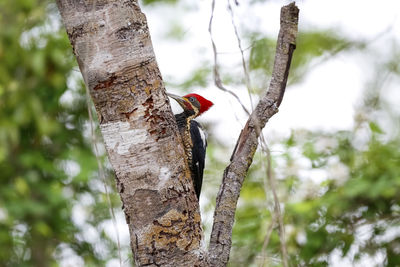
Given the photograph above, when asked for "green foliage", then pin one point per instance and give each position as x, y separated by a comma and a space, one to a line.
355, 215
369, 197
199, 78
311, 45
46, 163
262, 54
176, 31
249, 234
150, 2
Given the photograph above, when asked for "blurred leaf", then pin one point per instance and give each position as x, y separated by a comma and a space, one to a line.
149, 2
375, 128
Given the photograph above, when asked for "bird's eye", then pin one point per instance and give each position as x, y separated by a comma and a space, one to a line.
191, 99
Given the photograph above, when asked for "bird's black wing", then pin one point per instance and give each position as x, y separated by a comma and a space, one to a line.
198, 155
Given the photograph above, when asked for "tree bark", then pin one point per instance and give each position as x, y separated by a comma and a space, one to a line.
112, 45
242, 156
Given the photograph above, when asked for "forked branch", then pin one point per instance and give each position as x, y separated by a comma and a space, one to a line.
242, 156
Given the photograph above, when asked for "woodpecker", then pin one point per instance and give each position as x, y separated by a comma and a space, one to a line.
193, 136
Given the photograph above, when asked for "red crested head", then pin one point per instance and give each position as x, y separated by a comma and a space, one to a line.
203, 104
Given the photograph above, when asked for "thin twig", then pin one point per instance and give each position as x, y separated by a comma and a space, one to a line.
267, 238
277, 207
99, 163
217, 77
239, 41
235, 52
273, 213
102, 175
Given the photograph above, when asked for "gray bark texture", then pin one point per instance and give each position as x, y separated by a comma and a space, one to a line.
112, 45
234, 174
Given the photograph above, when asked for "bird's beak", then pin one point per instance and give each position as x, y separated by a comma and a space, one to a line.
182, 101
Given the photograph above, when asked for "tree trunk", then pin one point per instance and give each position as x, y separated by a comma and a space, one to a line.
111, 42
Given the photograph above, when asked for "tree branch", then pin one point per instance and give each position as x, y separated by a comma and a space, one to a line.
234, 174
217, 77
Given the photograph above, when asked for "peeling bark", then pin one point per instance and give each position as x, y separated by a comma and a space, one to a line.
242, 156
111, 42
